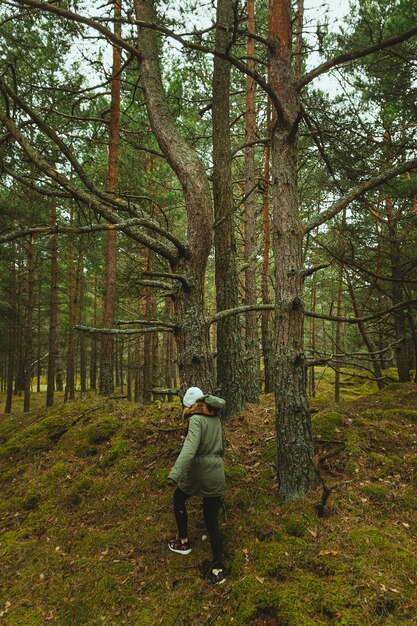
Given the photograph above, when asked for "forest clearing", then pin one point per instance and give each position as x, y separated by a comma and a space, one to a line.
86, 513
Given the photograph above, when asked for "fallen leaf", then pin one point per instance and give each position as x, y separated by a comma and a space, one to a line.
328, 553
260, 579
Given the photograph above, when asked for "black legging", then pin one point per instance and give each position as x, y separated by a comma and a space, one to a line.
211, 507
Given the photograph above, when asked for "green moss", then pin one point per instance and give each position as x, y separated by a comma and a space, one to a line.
137, 429
295, 526
235, 474
76, 610
84, 450
102, 430
117, 450
270, 453
90, 540
391, 414
365, 538
273, 559
353, 443
385, 464
31, 501
376, 493
24, 615
36, 437
327, 424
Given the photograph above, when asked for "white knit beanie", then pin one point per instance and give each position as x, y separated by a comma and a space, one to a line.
192, 395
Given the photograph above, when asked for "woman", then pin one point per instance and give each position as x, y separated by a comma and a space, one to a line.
199, 471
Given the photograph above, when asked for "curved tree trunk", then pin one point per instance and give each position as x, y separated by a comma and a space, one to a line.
192, 333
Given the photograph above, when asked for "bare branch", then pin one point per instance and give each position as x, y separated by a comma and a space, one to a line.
358, 191
67, 230
85, 197
367, 318
356, 54
117, 331
155, 323
331, 318
313, 270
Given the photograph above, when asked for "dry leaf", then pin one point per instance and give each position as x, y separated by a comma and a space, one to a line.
328, 553
260, 579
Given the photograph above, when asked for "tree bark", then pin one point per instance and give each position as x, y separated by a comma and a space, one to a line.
107, 343
229, 363
11, 347
69, 393
29, 323
266, 315
296, 471
192, 334
252, 382
53, 314
399, 315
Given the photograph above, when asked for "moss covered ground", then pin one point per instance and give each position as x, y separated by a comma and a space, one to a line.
85, 514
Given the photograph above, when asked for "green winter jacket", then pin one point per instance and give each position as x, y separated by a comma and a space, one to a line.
199, 469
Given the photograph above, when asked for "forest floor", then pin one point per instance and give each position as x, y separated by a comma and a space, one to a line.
85, 514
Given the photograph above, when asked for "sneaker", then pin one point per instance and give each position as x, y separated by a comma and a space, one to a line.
216, 576
178, 546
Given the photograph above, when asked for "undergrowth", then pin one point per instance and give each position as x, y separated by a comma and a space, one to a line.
85, 513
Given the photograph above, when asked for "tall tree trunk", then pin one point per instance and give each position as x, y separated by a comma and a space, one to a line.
397, 293
397, 290
148, 354
295, 446
252, 382
338, 334
266, 315
69, 393
11, 347
313, 331
29, 322
192, 333
93, 355
107, 343
229, 363
39, 334
129, 372
53, 313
